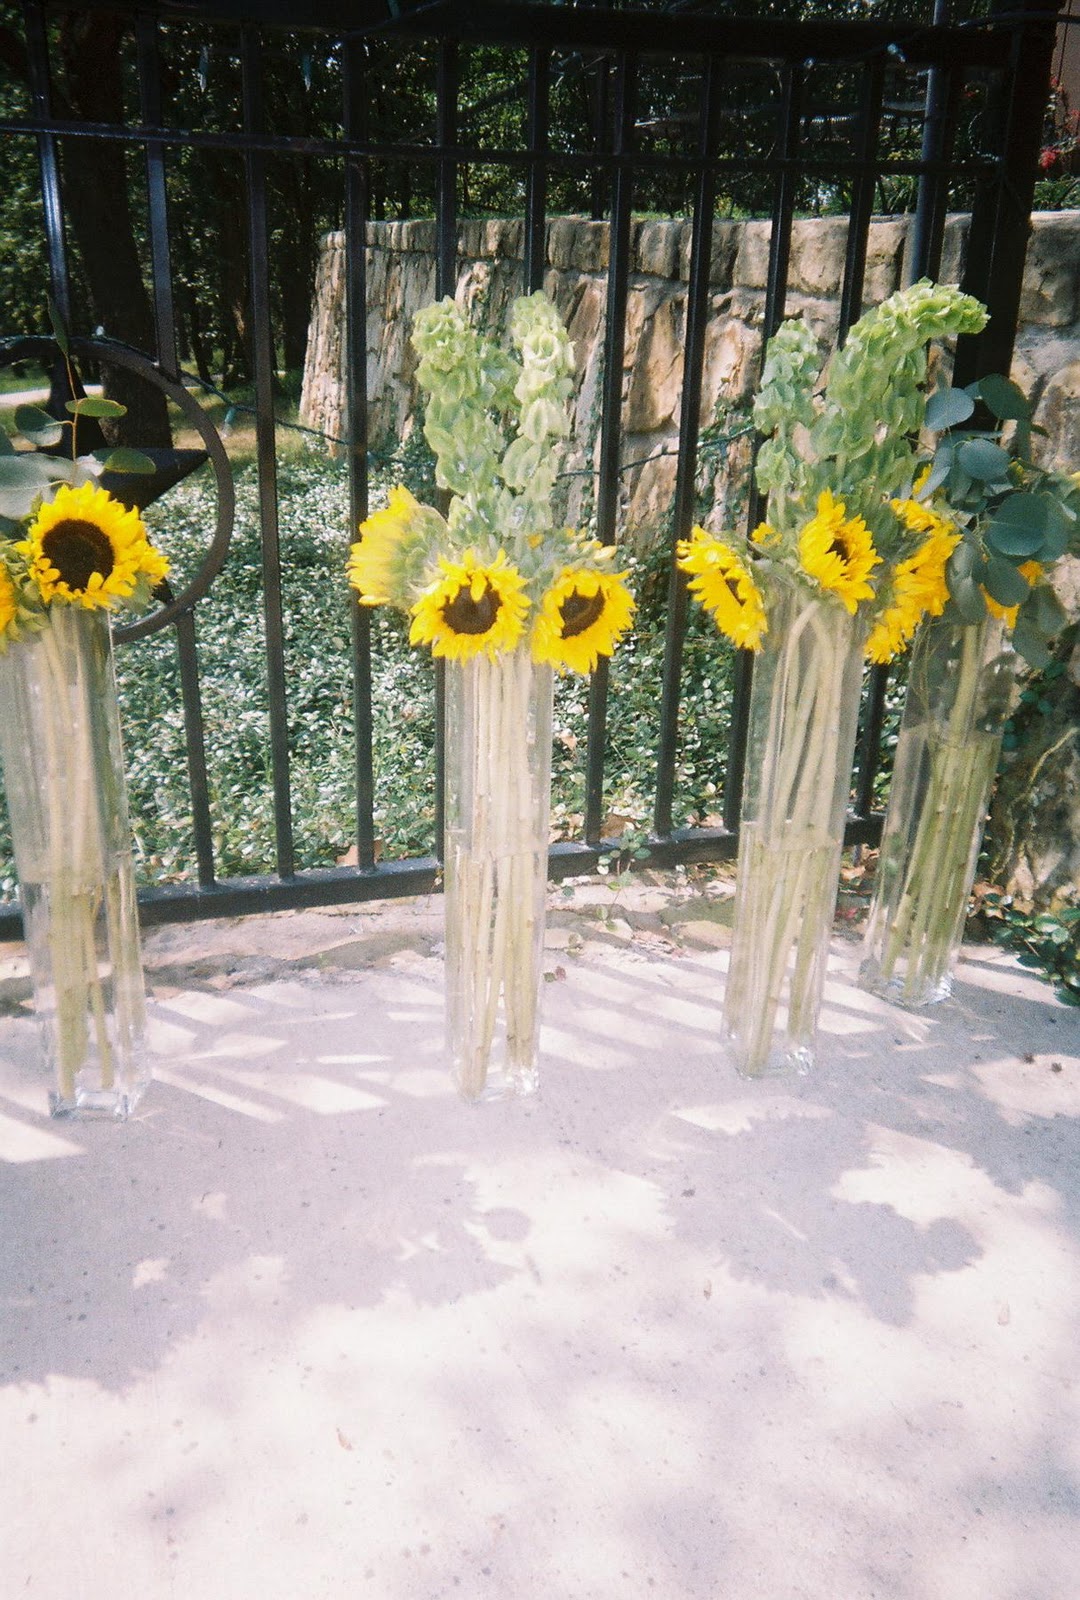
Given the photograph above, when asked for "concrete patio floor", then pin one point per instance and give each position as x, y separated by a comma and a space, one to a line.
309, 1327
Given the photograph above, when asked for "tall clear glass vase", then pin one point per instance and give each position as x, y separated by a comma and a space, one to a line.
804, 709
498, 801
960, 691
67, 800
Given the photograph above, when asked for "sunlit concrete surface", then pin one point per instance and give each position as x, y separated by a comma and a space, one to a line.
308, 1327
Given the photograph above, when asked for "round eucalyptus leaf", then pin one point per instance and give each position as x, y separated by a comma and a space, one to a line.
95, 405
1045, 611
125, 460
1004, 398
948, 407
982, 459
1004, 583
1019, 526
24, 471
38, 426
1030, 644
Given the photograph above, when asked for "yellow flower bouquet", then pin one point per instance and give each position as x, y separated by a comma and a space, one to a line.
507, 596
70, 556
1014, 521
846, 564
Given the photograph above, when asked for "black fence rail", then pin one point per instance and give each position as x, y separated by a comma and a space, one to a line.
610, 111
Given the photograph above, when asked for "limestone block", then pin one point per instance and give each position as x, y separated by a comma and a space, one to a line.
725, 244
752, 256
591, 247
732, 361
561, 236
884, 259
818, 249
1059, 413
656, 248
653, 488
656, 362
954, 248
1051, 272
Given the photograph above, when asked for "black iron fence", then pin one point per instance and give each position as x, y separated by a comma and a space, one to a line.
444, 109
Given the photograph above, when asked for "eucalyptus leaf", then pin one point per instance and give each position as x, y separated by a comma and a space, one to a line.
1019, 526
38, 426
95, 405
1004, 398
968, 598
982, 459
1045, 611
1030, 644
125, 460
962, 563
948, 407
57, 324
940, 468
6, 446
1004, 582
23, 471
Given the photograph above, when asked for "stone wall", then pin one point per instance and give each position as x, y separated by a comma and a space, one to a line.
401, 278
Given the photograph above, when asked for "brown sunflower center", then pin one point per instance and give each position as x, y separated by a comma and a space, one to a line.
77, 550
580, 611
840, 547
466, 615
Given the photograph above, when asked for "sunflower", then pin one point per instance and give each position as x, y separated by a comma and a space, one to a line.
9, 609
475, 608
1032, 571
838, 552
371, 559
85, 548
582, 617
918, 584
725, 587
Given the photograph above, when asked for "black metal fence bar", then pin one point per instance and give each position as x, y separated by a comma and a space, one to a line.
356, 216
157, 204
608, 477
266, 446
1014, 47
697, 316
37, 53
539, 92
195, 739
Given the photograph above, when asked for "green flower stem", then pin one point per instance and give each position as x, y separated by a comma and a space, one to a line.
75, 866
925, 873
790, 852
496, 867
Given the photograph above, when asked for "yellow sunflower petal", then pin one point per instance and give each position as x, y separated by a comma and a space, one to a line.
371, 559
837, 551
581, 618
474, 608
725, 587
85, 548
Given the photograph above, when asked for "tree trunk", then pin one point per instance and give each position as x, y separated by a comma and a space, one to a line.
98, 204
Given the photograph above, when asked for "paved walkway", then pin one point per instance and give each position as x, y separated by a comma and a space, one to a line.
309, 1328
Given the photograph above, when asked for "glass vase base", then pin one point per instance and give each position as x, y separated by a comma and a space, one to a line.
908, 993
115, 1104
780, 1061
497, 1083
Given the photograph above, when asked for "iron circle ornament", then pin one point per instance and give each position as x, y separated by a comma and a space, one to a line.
111, 352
